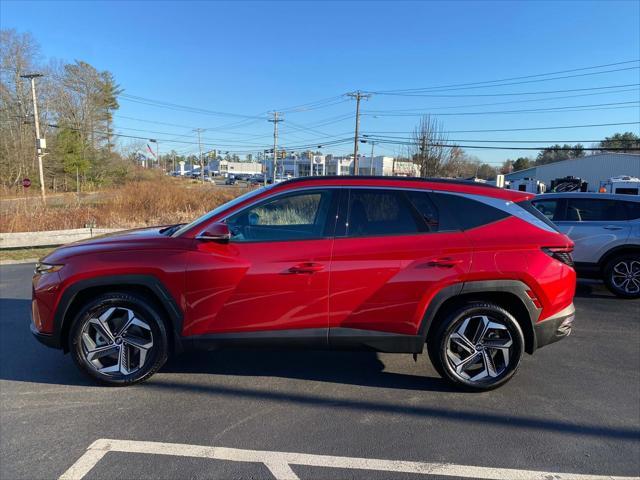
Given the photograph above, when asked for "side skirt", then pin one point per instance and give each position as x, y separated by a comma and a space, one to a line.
315, 338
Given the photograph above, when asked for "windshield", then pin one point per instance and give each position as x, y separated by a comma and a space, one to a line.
220, 209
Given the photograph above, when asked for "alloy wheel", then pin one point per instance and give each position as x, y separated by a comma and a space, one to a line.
115, 341
480, 348
625, 276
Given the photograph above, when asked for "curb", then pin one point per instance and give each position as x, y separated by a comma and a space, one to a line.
18, 262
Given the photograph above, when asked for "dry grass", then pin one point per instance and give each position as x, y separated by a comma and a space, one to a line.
161, 201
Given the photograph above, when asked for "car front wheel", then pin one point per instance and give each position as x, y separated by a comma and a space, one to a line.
622, 276
119, 339
477, 346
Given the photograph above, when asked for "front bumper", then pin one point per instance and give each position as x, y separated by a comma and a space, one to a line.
555, 327
49, 340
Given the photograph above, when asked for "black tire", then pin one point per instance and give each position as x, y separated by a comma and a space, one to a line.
611, 277
438, 340
146, 311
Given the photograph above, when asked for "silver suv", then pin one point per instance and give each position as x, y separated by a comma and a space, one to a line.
606, 231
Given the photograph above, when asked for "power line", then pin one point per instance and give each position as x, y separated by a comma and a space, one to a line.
540, 92
175, 106
544, 99
569, 108
525, 129
483, 83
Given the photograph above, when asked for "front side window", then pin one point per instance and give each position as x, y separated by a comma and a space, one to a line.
594, 210
380, 212
298, 216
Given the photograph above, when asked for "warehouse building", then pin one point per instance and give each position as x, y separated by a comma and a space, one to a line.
592, 169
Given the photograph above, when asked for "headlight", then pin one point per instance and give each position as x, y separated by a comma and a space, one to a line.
42, 268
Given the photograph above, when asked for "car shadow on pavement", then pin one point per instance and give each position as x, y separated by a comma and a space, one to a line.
24, 359
593, 289
341, 367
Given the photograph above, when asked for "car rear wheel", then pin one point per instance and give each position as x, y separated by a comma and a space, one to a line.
477, 346
622, 276
119, 339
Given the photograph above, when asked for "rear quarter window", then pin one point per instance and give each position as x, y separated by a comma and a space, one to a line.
467, 212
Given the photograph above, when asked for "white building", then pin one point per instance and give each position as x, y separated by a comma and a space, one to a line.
313, 165
593, 169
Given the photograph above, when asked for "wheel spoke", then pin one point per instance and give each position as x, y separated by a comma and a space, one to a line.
488, 364
102, 325
130, 317
622, 268
122, 360
481, 331
138, 343
100, 352
462, 342
461, 364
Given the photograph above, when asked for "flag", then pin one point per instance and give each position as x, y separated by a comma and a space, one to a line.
152, 152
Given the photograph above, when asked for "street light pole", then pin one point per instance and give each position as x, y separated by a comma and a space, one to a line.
36, 120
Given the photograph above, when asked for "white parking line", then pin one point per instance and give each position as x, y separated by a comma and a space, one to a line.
279, 463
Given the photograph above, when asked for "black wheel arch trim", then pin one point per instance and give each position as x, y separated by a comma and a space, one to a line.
619, 250
118, 282
515, 287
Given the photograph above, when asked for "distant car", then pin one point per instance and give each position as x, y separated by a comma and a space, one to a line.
230, 180
606, 231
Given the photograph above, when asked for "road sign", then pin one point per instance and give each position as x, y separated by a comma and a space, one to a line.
26, 183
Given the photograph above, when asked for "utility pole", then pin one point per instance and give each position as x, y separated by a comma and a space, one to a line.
275, 121
358, 96
40, 143
198, 131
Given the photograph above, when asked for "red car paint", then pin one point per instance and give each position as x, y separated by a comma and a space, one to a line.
380, 283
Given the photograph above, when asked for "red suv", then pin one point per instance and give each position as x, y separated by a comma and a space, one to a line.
388, 264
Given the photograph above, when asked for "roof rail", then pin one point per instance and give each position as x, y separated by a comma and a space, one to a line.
451, 181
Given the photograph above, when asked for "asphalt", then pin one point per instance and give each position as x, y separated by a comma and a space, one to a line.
573, 407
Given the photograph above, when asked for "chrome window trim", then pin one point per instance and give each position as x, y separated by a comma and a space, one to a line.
506, 206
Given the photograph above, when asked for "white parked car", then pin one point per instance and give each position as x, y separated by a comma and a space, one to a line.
606, 231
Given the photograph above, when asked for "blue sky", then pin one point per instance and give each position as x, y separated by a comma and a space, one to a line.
248, 58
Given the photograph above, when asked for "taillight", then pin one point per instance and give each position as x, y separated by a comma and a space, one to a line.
562, 254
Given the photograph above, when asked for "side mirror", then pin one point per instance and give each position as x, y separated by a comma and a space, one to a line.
216, 232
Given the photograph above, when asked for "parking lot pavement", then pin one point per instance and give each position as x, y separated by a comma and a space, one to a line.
573, 408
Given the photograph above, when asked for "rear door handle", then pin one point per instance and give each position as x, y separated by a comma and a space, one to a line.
445, 262
612, 227
307, 267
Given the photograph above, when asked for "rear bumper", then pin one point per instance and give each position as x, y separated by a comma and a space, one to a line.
555, 327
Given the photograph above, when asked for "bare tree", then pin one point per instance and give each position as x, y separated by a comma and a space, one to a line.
430, 147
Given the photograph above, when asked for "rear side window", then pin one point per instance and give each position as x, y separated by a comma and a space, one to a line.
469, 213
633, 210
544, 210
594, 210
425, 207
381, 212
548, 208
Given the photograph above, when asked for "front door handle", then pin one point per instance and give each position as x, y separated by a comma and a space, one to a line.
612, 227
446, 262
306, 267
